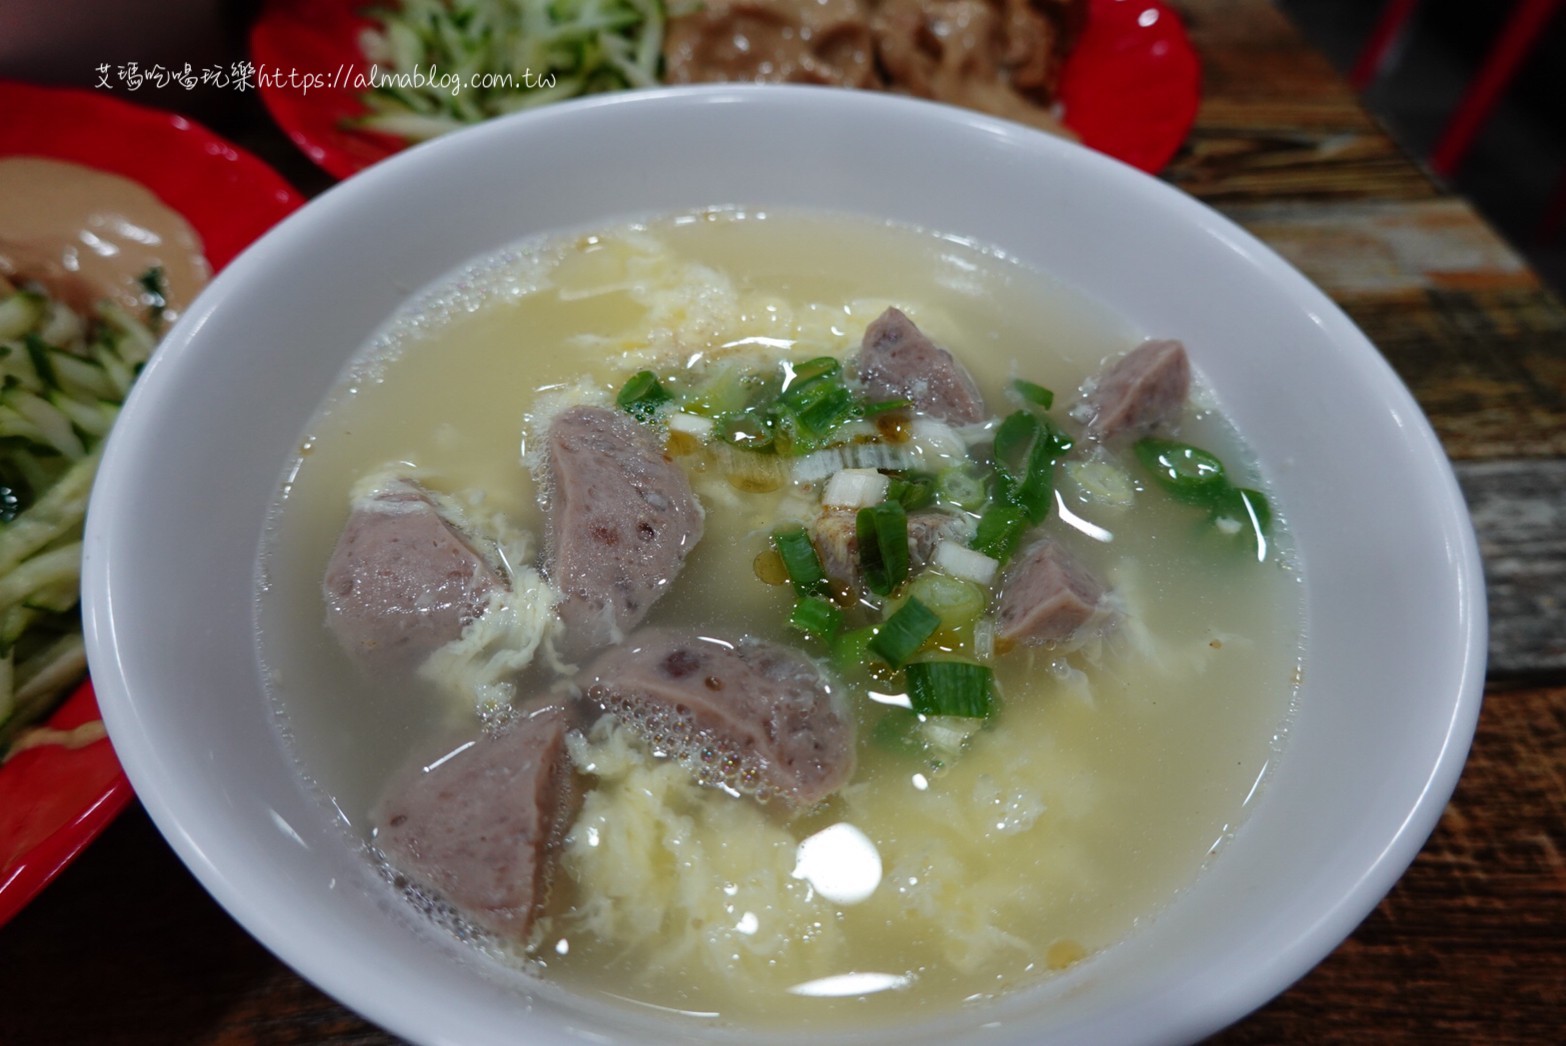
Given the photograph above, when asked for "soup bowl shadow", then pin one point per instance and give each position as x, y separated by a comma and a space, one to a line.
1394, 658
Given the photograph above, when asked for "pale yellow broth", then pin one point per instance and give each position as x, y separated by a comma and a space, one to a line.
1107, 780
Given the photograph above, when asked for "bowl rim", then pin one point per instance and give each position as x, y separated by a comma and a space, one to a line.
136, 736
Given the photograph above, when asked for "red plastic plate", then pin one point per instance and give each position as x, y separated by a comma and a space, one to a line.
1130, 89
55, 800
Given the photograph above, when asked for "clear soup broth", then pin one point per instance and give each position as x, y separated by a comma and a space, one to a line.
982, 856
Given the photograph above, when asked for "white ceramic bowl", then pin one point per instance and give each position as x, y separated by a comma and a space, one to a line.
1395, 606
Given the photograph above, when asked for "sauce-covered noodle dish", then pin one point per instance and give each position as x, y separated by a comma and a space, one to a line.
784, 619
93, 267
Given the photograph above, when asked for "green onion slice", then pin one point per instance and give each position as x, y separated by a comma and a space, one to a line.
1038, 395
642, 395
1000, 531
901, 635
725, 388
813, 405
955, 688
898, 731
851, 649
870, 410
959, 603
958, 486
827, 407
1251, 510
882, 533
748, 430
913, 491
1025, 452
1190, 474
800, 560
816, 617
810, 370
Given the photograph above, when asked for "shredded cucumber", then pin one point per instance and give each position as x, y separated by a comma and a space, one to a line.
428, 54
63, 376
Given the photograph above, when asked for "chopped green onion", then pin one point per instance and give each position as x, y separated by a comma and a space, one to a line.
816, 617
800, 560
1000, 531
851, 649
748, 430
1056, 444
725, 388
642, 395
913, 492
955, 688
882, 533
901, 635
1250, 512
958, 602
794, 409
1196, 477
898, 731
810, 370
870, 410
1025, 452
814, 404
825, 409
1014, 441
1188, 473
1101, 482
958, 486
1035, 394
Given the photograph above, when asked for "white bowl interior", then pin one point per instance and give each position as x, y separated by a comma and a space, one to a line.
1394, 662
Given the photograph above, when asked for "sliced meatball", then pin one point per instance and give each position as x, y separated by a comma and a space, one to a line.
622, 519
403, 580
837, 542
1047, 597
1141, 391
897, 361
480, 828
750, 715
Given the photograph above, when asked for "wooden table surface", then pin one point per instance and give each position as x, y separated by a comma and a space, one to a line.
1469, 947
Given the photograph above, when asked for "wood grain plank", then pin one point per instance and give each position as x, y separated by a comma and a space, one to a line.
1378, 249
1470, 947
1453, 308
1519, 512
1284, 148
1234, 165
1488, 366
1277, 122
